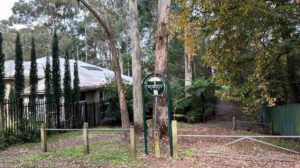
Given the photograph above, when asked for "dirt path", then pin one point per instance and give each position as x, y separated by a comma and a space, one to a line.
112, 151
193, 151
225, 110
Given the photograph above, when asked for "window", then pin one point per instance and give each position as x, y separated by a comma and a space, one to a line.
41, 108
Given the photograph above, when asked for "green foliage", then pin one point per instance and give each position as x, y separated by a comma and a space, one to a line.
3, 143
176, 59
127, 64
2, 74
251, 44
29, 12
33, 78
177, 92
11, 95
113, 116
76, 88
29, 136
48, 80
203, 99
146, 14
67, 80
19, 69
56, 70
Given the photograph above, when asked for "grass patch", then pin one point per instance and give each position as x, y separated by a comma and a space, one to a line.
110, 152
56, 136
289, 144
189, 154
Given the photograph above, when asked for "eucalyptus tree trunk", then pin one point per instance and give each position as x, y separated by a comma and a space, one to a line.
161, 61
188, 75
136, 66
187, 54
105, 23
187, 79
121, 61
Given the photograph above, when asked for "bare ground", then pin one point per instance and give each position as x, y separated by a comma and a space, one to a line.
192, 151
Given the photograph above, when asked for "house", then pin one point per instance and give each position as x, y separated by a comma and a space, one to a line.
91, 78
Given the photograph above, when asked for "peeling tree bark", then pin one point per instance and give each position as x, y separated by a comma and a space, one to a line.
188, 79
136, 66
161, 61
188, 75
115, 61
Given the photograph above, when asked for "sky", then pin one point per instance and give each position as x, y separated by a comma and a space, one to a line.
6, 12
5, 8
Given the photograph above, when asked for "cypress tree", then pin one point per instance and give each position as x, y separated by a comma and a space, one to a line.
56, 70
11, 95
33, 77
48, 93
56, 77
67, 81
76, 93
76, 89
19, 69
67, 89
2, 74
48, 80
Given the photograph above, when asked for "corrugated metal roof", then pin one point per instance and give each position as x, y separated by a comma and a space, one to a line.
90, 76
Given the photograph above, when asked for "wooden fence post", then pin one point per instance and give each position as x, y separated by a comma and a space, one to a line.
156, 144
43, 137
233, 123
132, 141
86, 138
175, 141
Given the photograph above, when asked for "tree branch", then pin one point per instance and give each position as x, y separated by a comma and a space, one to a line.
100, 20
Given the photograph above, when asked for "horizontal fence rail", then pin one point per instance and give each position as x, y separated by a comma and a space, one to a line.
90, 129
85, 130
233, 140
236, 136
253, 122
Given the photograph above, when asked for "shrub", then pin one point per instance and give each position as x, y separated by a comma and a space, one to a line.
32, 135
202, 101
113, 116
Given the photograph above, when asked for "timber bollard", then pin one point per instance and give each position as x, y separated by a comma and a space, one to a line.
132, 141
233, 123
175, 141
86, 138
156, 144
43, 138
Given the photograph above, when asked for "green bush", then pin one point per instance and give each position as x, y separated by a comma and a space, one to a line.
32, 135
202, 101
3, 143
113, 116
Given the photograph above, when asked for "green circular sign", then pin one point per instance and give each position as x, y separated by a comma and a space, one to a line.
155, 85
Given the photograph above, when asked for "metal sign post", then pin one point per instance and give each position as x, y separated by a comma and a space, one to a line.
156, 85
